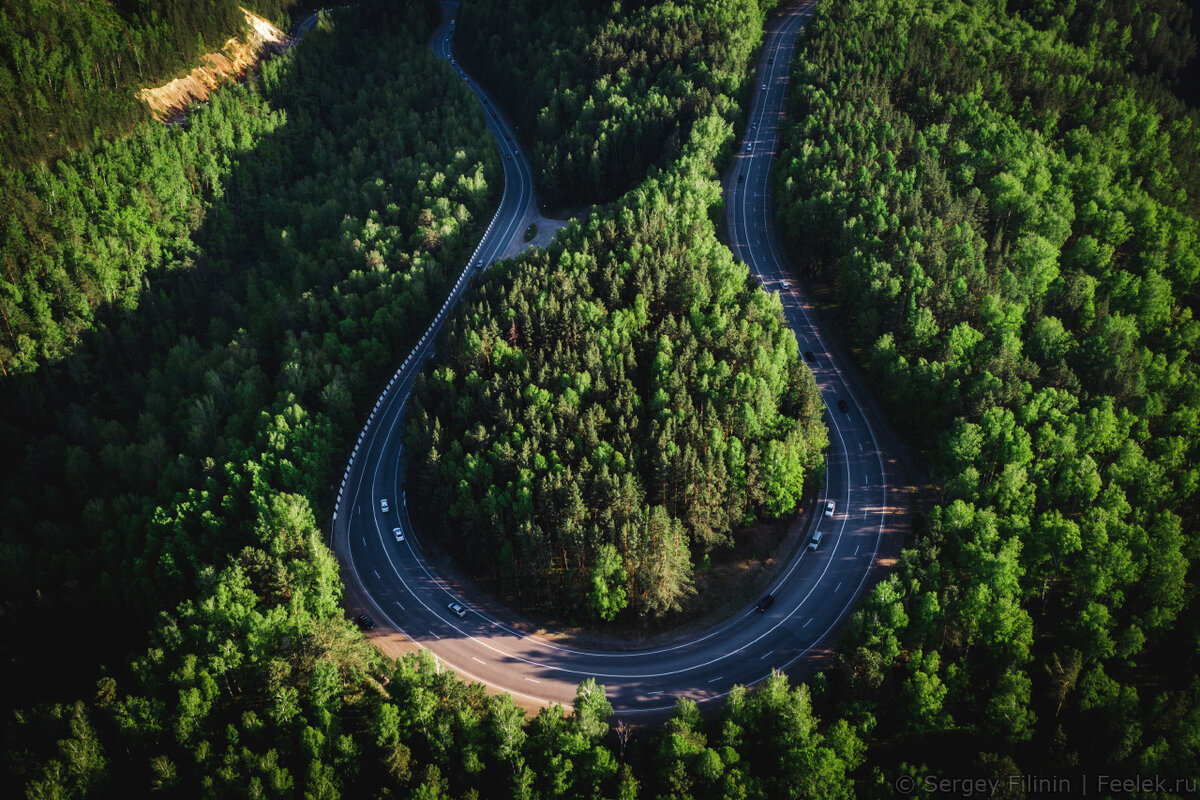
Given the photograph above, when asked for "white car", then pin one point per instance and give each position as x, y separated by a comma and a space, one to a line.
764, 87
829, 508
457, 610
383, 506
399, 534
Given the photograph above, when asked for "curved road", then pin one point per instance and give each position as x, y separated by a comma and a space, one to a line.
393, 582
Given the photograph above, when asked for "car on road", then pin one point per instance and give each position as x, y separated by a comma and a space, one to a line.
842, 407
830, 507
398, 533
764, 87
815, 541
808, 356
507, 157
456, 610
364, 622
771, 60
748, 146
741, 178
383, 506
763, 604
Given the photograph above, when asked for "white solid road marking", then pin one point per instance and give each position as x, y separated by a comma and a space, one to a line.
764, 655
532, 680
805, 625
401, 605
364, 541
856, 548
655, 692
480, 660
839, 586
864, 480
376, 574
435, 635
714, 680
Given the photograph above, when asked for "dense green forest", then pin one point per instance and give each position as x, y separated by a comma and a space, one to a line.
69, 70
607, 408
1004, 204
89, 231
332, 225
182, 433
603, 91
1002, 200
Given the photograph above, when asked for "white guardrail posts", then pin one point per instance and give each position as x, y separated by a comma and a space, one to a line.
410, 359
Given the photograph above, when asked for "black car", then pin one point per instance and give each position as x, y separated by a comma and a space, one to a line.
764, 604
741, 178
365, 622
808, 356
842, 407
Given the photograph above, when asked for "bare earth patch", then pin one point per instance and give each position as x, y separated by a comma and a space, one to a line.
237, 57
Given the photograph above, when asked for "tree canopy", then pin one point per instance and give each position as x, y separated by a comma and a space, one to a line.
603, 408
1004, 202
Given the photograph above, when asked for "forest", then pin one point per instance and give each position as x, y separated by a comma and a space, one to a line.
87, 232
605, 411
997, 202
601, 92
170, 469
1004, 205
69, 71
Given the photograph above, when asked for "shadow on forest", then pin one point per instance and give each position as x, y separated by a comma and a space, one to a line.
240, 304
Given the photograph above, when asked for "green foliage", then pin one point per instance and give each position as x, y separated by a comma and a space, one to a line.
605, 406
602, 92
608, 594
192, 436
69, 71
1008, 215
91, 230
766, 743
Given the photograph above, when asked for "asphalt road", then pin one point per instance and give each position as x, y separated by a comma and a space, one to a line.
393, 582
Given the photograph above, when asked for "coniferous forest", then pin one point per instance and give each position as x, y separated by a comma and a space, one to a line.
1005, 206
995, 205
609, 405
616, 86
68, 71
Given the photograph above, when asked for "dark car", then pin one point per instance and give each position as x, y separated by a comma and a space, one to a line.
764, 604
741, 178
364, 622
842, 407
808, 356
